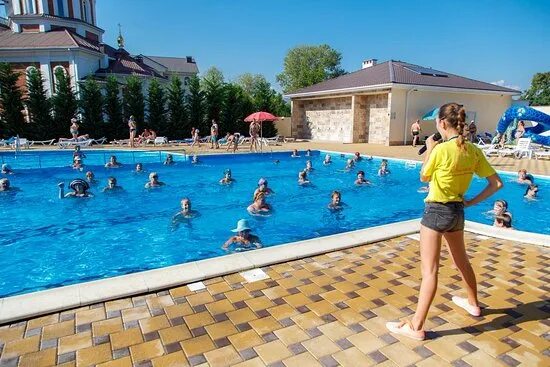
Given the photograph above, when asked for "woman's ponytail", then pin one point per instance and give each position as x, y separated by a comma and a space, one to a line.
454, 115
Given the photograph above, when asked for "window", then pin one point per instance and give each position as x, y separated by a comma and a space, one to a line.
55, 71
60, 9
84, 10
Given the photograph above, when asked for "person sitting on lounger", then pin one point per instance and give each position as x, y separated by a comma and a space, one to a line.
153, 181
259, 206
112, 185
361, 179
169, 160
80, 189
6, 169
227, 179
328, 160
244, 239
113, 163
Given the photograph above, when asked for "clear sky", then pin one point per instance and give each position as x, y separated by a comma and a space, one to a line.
500, 41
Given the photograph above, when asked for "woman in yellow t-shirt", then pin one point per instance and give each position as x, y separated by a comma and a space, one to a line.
448, 167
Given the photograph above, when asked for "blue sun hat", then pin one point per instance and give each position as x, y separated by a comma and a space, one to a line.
242, 225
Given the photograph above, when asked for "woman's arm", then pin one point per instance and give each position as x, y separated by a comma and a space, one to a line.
494, 183
61, 186
228, 243
430, 145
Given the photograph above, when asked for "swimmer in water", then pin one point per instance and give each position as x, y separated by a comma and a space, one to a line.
259, 206
113, 163
500, 208
308, 153
169, 160
357, 157
80, 189
503, 221
6, 169
153, 181
295, 154
5, 186
185, 213
276, 161
349, 164
262, 187
227, 178
525, 178
531, 192
383, 170
336, 201
112, 185
195, 159
244, 239
139, 168
77, 163
309, 166
328, 160
361, 179
302, 178
90, 178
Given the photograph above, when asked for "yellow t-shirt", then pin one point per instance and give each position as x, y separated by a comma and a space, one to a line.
451, 170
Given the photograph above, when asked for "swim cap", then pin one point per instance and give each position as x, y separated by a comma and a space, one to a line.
77, 182
262, 181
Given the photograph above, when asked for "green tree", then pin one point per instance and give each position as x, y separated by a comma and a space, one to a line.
91, 104
308, 65
279, 106
249, 81
539, 93
237, 105
64, 104
133, 100
213, 88
38, 106
156, 116
11, 103
116, 128
178, 119
195, 103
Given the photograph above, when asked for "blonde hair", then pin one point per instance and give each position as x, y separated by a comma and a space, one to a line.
454, 115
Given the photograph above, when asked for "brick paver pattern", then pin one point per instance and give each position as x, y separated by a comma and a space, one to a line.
328, 310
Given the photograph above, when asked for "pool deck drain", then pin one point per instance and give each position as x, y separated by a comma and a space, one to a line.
323, 310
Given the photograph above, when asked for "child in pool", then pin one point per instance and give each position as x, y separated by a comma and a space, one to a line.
383, 170
227, 179
336, 201
328, 160
361, 179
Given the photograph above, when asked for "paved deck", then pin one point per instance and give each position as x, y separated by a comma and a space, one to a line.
328, 310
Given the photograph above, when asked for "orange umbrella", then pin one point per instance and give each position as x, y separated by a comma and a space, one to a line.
261, 116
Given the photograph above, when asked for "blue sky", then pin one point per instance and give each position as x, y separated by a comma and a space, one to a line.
495, 41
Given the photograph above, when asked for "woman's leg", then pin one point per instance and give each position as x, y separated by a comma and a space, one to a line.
430, 247
457, 250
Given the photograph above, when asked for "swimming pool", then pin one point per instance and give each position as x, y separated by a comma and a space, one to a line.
47, 242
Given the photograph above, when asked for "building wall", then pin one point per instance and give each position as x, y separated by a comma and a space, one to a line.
329, 119
487, 109
377, 107
284, 126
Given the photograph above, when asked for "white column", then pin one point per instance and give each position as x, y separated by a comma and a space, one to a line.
73, 72
29, 7
16, 8
47, 76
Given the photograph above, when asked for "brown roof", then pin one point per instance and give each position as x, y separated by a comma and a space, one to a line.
126, 64
56, 39
178, 64
399, 72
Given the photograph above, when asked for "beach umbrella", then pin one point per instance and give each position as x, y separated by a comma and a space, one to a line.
261, 116
431, 114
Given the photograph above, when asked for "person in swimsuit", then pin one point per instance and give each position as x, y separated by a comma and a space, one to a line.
295, 154
80, 189
254, 131
169, 160
308, 153
500, 208
531, 192
259, 206
112, 185
74, 128
90, 178
503, 221
520, 130
139, 168
302, 178
361, 180
153, 181
309, 166
133, 128
77, 163
262, 187
383, 170
185, 213
336, 203
5, 186
113, 163
6, 169
524, 177
357, 157
349, 164
244, 239
328, 160
214, 135
472, 132
227, 179
195, 159
196, 138
415, 131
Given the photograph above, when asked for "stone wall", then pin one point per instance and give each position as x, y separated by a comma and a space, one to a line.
360, 129
378, 118
329, 119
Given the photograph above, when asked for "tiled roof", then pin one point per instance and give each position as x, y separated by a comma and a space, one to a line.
178, 64
398, 72
54, 39
126, 64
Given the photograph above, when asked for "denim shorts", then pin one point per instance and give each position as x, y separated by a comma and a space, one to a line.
444, 217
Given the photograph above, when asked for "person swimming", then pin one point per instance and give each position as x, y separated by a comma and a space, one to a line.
357, 157
139, 168
276, 161
503, 221
531, 192
350, 163
80, 189
295, 154
259, 206
262, 187
78, 153
227, 178
500, 208
5, 186
327, 160
169, 160
308, 153
112, 185
361, 179
113, 163
90, 178
153, 181
524, 177
244, 239
309, 166
336, 201
302, 178
185, 213
383, 170
6, 169
77, 163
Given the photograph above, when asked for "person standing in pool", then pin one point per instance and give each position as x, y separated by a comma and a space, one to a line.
6, 169
415, 131
112, 185
449, 167
90, 178
227, 178
184, 214
336, 203
132, 127
262, 187
244, 239
531, 192
525, 178
327, 160
169, 160
153, 181
361, 180
113, 163
259, 206
80, 189
5, 186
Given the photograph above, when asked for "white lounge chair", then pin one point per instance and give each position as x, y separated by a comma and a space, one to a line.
160, 140
43, 142
72, 143
99, 141
272, 141
523, 147
21, 142
120, 142
543, 152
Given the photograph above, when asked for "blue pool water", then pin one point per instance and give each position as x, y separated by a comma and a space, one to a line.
47, 242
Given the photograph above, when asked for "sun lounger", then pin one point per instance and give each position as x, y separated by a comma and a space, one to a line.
99, 141
69, 143
21, 143
160, 140
541, 154
181, 141
43, 142
523, 147
120, 142
271, 141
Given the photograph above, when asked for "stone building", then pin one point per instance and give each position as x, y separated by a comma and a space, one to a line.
52, 35
379, 103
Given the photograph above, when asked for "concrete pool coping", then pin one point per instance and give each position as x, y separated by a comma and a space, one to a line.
54, 300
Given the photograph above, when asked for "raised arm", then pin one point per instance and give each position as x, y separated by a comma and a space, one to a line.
61, 186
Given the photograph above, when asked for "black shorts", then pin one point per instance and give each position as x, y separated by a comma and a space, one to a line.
415, 133
444, 217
